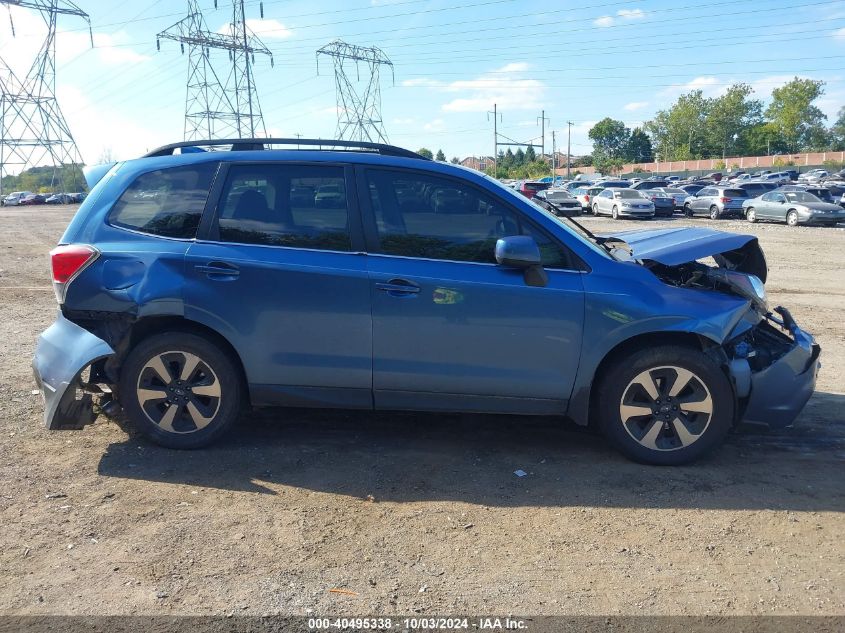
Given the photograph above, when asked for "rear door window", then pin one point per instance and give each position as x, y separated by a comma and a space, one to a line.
167, 202
299, 206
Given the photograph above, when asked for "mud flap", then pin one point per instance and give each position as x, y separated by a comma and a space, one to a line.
63, 352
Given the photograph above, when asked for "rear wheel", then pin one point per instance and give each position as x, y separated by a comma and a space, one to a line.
180, 390
751, 215
714, 212
687, 211
665, 405
792, 218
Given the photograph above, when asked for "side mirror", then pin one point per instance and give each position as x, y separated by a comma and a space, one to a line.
521, 251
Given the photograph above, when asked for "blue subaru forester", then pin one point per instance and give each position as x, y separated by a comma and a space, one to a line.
210, 276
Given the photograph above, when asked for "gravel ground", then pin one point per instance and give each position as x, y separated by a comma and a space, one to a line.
409, 513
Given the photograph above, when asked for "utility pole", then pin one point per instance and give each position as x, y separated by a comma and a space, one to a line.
542, 120
554, 159
496, 115
33, 130
358, 111
568, 148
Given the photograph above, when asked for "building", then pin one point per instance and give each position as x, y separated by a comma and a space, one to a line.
480, 163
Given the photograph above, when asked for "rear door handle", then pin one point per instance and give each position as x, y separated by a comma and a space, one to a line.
218, 270
398, 287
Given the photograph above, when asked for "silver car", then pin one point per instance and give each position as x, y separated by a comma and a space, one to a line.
794, 208
623, 203
716, 202
14, 198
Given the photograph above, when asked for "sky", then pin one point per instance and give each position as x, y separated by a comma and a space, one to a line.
452, 61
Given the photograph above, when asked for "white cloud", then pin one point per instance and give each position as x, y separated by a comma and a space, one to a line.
635, 105
266, 28
623, 15
505, 87
434, 126
839, 34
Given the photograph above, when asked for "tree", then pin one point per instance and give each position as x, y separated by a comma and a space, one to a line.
455, 160
519, 158
678, 132
729, 118
793, 114
639, 147
425, 153
441, 156
837, 132
764, 139
530, 154
610, 138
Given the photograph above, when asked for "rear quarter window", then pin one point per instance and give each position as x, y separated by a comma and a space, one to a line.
167, 202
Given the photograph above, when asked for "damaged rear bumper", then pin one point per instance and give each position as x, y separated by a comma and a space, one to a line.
776, 393
63, 352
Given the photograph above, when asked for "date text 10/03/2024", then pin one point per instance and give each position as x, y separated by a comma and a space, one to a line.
419, 624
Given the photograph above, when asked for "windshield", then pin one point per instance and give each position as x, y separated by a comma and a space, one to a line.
674, 191
800, 196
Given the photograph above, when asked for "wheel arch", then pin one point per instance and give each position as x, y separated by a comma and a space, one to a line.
149, 326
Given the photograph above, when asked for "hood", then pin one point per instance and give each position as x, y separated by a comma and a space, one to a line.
673, 247
821, 206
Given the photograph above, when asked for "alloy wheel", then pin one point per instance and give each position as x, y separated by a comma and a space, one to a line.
792, 218
178, 392
666, 408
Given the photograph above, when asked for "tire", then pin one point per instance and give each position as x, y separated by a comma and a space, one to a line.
595, 209
751, 215
197, 418
688, 211
714, 212
614, 213
792, 218
662, 435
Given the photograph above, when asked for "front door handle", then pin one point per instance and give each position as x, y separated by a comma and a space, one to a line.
398, 287
218, 270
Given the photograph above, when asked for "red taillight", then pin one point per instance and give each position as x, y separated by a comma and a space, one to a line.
67, 261
587, 198
725, 200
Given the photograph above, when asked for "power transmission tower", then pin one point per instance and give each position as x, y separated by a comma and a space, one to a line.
358, 112
215, 108
33, 131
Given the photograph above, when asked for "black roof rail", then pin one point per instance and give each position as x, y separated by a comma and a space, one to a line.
240, 144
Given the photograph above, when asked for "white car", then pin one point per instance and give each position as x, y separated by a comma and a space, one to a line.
14, 198
623, 203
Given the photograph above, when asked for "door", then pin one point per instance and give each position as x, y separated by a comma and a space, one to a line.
768, 203
281, 274
701, 202
452, 329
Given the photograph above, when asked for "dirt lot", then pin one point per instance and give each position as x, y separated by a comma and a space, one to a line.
418, 513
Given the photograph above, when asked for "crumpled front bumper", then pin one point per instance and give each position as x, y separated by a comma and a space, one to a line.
777, 393
62, 352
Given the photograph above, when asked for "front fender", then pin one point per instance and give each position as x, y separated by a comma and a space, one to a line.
62, 352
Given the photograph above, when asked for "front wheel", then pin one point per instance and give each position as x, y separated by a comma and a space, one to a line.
792, 218
614, 213
180, 390
665, 405
751, 215
595, 209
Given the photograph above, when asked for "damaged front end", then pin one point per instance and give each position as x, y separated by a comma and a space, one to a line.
66, 365
772, 362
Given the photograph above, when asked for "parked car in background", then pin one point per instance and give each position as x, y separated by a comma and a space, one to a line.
716, 202
33, 198
585, 196
754, 188
77, 197
650, 184
664, 203
14, 198
616, 184
529, 188
58, 198
677, 194
692, 188
715, 176
779, 177
558, 201
618, 202
794, 208
572, 185
814, 175
822, 193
